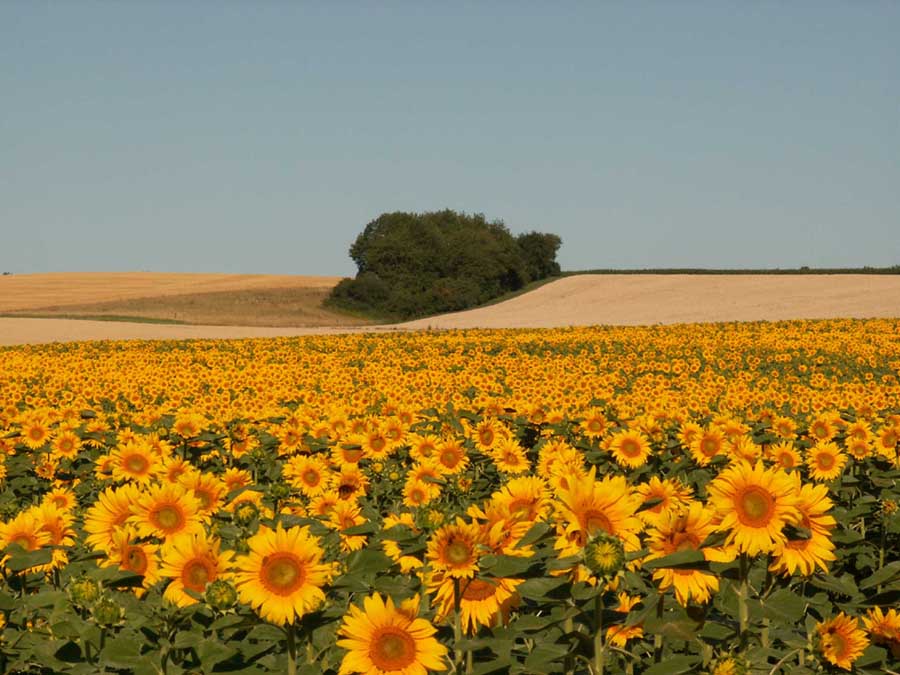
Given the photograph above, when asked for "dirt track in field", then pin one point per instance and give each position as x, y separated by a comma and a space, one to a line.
571, 301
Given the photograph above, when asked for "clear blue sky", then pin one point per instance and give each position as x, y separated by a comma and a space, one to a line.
261, 137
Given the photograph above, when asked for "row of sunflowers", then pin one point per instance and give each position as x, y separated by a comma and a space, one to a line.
698, 498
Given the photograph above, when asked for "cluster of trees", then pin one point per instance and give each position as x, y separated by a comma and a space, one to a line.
415, 264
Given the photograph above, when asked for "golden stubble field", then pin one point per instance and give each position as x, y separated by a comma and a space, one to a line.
236, 306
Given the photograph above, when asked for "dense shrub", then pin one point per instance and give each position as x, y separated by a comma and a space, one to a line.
415, 264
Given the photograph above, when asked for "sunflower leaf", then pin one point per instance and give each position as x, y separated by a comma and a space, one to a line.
682, 560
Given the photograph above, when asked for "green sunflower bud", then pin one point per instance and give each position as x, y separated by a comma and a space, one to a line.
604, 555
106, 612
83, 592
221, 595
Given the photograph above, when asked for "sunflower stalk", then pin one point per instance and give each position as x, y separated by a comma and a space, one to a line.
658, 638
599, 647
458, 654
743, 595
291, 649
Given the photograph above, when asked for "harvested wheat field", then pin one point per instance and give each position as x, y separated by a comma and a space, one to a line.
581, 300
206, 299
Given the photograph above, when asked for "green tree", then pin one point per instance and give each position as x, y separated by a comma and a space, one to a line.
414, 264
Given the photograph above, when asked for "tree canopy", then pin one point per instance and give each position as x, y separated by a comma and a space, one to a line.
415, 264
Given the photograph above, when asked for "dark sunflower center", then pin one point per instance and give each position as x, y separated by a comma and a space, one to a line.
282, 573
630, 448
169, 518
709, 447
136, 560
825, 461
393, 649
478, 589
196, 574
755, 507
311, 477
136, 463
458, 552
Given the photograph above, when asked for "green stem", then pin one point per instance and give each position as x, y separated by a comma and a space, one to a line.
743, 594
598, 635
457, 626
658, 638
291, 649
568, 629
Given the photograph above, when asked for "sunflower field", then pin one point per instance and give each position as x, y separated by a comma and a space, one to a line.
715, 498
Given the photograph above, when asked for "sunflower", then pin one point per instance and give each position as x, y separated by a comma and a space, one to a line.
418, 493
525, 498
128, 554
785, 428
307, 473
590, 506
62, 498
109, 512
671, 493
487, 433
841, 641
454, 549
376, 444
451, 456
392, 548
815, 549
754, 504
743, 448
208, 488
685, 531
175, 468
165, 511
784, 455
707, 445
57, 523
135, 461
884, 628
236, 478
25, 530
509, 456
351, 483
35, 432
192, 562
860, 448
283, 575
630, 448
482, 601
66, 444
344, 516
384, 640
825, 461
619, 634
594, 423
822, 428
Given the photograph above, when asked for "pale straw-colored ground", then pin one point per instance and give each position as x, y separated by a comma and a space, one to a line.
571, 301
